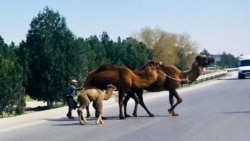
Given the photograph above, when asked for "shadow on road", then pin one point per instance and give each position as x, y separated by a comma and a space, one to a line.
238, 112
91, 120
233, 79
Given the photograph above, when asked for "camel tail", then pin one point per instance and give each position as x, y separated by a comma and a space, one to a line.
79, 99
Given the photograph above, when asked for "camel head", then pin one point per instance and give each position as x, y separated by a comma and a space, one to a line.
203, 61
111, 86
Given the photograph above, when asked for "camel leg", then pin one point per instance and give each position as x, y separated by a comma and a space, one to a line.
141, 102
79, 113
100, 111
131, 94
82, 119
99, 119
136, 104
121, 94
173, 93
96, 111
84, 102
87, 111
125, 102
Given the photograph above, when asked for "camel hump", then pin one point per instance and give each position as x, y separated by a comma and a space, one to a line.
154, 63
151, 65
105, 67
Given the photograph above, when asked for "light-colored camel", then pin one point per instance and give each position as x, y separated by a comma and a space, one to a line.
122, 77
96, 95
170, 80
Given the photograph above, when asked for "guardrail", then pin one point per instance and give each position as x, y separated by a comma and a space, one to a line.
211, 76
231, 69
214, 74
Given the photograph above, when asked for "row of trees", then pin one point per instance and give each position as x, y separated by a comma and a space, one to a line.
43, 64
11, 89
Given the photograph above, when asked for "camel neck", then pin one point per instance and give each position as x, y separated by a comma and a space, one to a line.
192, 74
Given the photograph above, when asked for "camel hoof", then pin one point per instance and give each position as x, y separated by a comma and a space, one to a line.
99, 122
175, 114
122, 117
81, 122
126, 115
151, 115
172, 112
135, 114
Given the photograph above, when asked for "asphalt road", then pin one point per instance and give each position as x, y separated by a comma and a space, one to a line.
217, 110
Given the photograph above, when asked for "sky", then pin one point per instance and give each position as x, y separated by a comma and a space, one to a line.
214, 25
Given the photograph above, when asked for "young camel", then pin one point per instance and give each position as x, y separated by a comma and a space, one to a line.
169, 78
96, 95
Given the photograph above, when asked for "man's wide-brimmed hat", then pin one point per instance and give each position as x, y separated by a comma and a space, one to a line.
74, 81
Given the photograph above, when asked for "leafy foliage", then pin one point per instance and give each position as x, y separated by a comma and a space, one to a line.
186, 51
227, 61
169, 48
51, 57
11, 90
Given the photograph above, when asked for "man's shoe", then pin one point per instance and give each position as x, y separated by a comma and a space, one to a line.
70, 117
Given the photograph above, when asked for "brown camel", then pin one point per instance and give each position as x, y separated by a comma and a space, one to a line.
122, 77
170, 80
97, 96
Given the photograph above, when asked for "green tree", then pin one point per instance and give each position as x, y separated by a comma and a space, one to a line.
97, 52
51, 57
134, 53
227, 60
87, 56
129, 52
11, 90
205, 52
108, 45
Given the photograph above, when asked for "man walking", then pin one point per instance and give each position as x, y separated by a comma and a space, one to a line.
72, 104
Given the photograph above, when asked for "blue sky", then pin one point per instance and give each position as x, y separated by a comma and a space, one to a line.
216, 25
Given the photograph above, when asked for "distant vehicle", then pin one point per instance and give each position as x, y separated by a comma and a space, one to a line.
244, 66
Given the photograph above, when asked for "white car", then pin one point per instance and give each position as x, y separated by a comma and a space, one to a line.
244, 66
